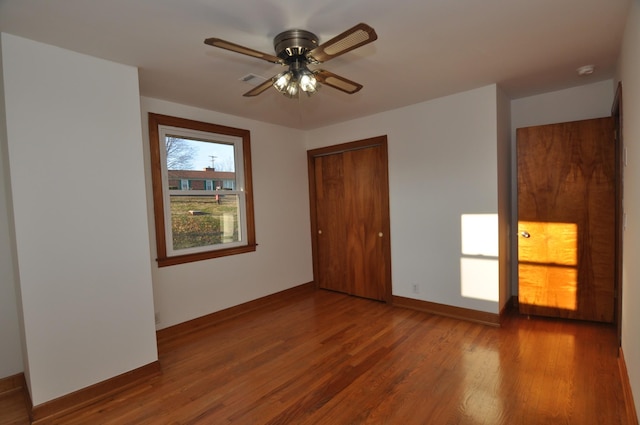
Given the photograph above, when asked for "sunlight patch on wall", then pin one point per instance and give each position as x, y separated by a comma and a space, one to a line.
479, 272
479, 278
480, 234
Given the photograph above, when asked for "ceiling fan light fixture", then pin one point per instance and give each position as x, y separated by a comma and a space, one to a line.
286, 84
292, 90
281, 81
292, 81
307, 82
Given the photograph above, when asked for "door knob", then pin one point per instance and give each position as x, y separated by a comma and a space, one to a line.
319, 232
380, 234
525, 234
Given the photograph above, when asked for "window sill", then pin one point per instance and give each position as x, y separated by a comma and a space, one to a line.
189, 258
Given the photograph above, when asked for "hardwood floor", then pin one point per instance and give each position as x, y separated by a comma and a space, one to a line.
326, 358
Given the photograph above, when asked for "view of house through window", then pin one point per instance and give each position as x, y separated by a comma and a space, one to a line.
205, 205
202, 182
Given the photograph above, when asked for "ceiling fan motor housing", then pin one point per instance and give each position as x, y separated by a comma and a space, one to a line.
292, 44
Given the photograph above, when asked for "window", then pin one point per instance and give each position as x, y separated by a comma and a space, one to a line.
202, 192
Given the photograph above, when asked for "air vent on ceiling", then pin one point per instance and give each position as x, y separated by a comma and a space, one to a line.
253, 79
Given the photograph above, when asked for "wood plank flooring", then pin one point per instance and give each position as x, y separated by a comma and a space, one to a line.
327, 358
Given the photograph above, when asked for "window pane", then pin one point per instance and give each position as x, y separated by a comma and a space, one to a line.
202, 220
199, 164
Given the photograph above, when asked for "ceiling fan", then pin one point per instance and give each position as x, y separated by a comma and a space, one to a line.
296, 49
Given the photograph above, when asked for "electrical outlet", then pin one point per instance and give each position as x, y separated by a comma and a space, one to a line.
415, 288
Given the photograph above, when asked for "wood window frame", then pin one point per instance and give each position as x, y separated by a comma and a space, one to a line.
163, 259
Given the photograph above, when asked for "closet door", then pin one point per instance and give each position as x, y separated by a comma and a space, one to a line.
364, 187
350, 214
331, 224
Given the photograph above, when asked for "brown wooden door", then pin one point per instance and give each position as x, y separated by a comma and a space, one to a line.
331, 227
350, 212
566, 220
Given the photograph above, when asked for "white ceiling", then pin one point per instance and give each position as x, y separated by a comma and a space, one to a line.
425, 48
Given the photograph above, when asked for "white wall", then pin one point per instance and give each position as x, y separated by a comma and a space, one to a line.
442, 164
592, 100
281, 202
10, 349
78, 201
629, 70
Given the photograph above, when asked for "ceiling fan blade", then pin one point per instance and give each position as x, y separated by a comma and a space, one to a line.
337, 82
259, 89
216, 42
351, 39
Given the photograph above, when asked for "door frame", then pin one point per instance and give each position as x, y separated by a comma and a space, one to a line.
616, 113
379, 141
